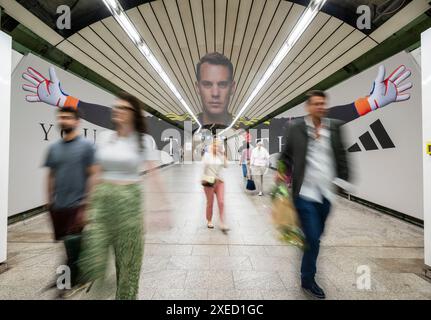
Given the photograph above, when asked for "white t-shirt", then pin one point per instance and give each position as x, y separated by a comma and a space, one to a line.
259, 157
213, 165
121, 157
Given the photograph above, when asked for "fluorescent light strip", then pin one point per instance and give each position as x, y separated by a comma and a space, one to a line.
123, 20
303, 23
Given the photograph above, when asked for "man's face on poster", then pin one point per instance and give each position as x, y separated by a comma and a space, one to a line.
215, 88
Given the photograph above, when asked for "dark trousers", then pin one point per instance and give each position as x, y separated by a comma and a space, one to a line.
72, 243
313, 217
68, 224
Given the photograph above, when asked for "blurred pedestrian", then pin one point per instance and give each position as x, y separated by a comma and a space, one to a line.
245, 160
259, 162
116, 210
71, 168
315, 155
214, 161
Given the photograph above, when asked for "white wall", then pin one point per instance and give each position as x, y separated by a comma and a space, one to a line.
16, 58
28, 145
417, 55
5, 86
388, 177
426, 127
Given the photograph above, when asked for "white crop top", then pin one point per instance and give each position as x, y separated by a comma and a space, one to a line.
120, 157
213, 165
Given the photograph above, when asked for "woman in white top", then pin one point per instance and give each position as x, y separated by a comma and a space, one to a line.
115, 204
259, 162
214, 161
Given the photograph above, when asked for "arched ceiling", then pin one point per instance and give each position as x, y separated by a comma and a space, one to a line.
179, 32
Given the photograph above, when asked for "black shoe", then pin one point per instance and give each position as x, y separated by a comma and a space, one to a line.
314, 291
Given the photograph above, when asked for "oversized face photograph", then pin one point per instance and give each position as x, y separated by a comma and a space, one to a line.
215, 86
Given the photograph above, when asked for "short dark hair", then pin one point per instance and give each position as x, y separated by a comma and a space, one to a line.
214, 58
71, 110
315, 93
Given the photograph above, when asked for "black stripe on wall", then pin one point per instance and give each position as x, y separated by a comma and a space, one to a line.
381, 135
354, 148
368, 142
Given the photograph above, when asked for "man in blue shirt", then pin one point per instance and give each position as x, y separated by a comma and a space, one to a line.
71, 165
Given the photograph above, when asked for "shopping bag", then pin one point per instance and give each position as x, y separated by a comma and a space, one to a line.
285, 217
250, 185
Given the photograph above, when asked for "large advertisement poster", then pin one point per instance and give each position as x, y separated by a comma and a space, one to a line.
5, 87
381, 109
384, 144
38, 89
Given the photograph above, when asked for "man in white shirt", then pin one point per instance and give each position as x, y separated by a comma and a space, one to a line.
315, 155
259, 162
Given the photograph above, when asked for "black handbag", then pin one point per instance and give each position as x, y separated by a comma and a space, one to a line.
250, 185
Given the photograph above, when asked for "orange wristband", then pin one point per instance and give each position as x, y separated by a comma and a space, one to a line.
71, 102
362, 106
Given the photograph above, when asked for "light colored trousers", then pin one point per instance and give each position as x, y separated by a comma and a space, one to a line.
117, 221
258, 172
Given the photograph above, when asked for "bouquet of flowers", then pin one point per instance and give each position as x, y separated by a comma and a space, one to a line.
285, 217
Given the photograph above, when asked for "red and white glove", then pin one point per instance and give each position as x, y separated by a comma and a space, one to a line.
385, 91
47, 90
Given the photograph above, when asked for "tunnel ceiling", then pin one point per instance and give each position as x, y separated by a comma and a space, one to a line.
179, 32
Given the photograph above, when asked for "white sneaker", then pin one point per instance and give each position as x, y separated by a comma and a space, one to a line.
260, 194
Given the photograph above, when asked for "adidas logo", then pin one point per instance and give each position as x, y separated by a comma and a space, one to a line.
368, 142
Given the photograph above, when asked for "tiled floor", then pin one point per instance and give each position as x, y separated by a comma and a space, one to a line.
185, 260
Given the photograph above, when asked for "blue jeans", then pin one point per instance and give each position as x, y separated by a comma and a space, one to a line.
312, 216
244, 170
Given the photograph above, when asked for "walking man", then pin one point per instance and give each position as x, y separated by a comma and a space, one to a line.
315, 155
71, 165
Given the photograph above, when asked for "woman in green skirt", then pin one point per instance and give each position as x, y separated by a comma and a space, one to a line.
115, 208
